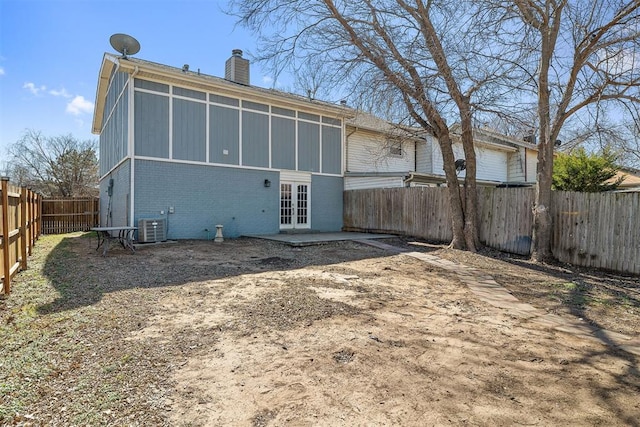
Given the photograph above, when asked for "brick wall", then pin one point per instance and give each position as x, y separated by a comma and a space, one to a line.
203, 196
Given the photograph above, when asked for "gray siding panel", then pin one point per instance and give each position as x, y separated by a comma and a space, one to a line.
255, 139
255, 106
331, 121
151, 125
331, 150
189, 130
115, 134
118, 82
308, 147
189, 93
283, 143
119, 203
326, 203
219, 99
224, 135
283, 112
307, 116
203, 196
156, 87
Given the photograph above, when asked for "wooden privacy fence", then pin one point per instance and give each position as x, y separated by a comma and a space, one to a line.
590, 229
597, 230
417, 211
66, 215
19, 229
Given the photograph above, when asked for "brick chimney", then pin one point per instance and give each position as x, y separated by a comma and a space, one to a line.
236, 68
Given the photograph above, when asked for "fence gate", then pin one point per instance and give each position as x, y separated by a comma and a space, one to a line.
66, 215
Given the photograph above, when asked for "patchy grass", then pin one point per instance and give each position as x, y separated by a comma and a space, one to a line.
26, 338
58, 357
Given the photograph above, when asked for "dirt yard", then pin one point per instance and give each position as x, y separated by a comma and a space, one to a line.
257, 333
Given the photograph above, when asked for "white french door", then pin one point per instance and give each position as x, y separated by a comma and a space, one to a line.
294, 205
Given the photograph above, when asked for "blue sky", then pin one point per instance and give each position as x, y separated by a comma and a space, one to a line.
51, 51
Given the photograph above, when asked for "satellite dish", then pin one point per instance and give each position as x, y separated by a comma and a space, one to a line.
461, 165
124, 44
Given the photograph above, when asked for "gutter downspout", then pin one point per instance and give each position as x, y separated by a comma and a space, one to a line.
346, 148
131, 143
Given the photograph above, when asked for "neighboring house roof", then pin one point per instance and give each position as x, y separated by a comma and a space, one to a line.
495, 139
482, 136
366, 121
631, 179
194, 79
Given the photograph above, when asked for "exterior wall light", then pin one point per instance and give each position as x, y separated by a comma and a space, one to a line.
267, 183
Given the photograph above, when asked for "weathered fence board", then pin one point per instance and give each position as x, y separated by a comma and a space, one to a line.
66, 215
597, 230
590, 229
506, 218
417, 211
19, 219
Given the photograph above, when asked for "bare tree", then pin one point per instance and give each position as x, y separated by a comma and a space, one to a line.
627, 144
586, 55
313, 80
55, 166
631, 147
434, 58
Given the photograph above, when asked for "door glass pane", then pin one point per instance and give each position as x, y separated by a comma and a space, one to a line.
302, 204
285, 204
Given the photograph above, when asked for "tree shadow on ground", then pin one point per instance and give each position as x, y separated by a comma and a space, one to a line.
586, 287
581, 289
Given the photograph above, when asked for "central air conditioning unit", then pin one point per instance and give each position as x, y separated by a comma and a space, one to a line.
152, 230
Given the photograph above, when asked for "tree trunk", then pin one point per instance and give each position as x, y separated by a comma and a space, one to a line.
470, 186
453, 188
541, 236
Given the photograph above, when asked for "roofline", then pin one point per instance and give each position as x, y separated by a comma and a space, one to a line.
389, 132
376, 174
456, 129
106, 68
204, 82
421, 177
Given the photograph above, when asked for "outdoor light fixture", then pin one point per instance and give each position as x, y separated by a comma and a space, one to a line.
267, 183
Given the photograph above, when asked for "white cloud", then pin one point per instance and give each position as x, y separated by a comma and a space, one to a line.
79, 105
35, 90
62, 92
2, 71
267, 80
619, 61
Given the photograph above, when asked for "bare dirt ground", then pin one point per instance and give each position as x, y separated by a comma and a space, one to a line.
258, 333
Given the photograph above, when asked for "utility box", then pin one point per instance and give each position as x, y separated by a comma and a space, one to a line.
152, 230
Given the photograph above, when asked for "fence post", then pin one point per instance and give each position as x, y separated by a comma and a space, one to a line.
4, 183
30, 219
39, 215
24, 235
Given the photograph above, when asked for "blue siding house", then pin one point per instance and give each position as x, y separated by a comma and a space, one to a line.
198, 150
